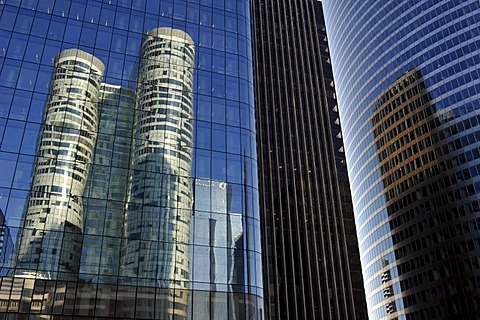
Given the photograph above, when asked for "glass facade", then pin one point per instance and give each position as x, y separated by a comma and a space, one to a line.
408, 82
128, 149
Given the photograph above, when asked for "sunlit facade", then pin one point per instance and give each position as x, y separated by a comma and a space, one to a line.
109, 113
407, 75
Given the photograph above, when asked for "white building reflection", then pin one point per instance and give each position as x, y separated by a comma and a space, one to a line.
217, 250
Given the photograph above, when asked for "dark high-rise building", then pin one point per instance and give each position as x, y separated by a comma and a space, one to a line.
311, 267
408, 82
110, 110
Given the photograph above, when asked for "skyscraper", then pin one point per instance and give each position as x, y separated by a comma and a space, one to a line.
310, 249
408, 82
109, 111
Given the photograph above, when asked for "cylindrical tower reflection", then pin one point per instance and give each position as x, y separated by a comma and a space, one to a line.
50, 244
157, 221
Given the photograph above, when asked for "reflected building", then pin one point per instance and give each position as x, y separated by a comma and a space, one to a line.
217, 246
158, 215
408, 83
406, 136
160, 193
105, 194
50, 242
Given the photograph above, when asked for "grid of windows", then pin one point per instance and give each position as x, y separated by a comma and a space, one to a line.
408, 85
128, 156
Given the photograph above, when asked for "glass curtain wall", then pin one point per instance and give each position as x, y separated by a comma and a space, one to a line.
408, 81
128, 152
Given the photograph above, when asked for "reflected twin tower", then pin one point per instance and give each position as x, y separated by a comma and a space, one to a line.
128, 154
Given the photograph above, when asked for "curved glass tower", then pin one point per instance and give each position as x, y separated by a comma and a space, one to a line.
110, 111
408, 82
